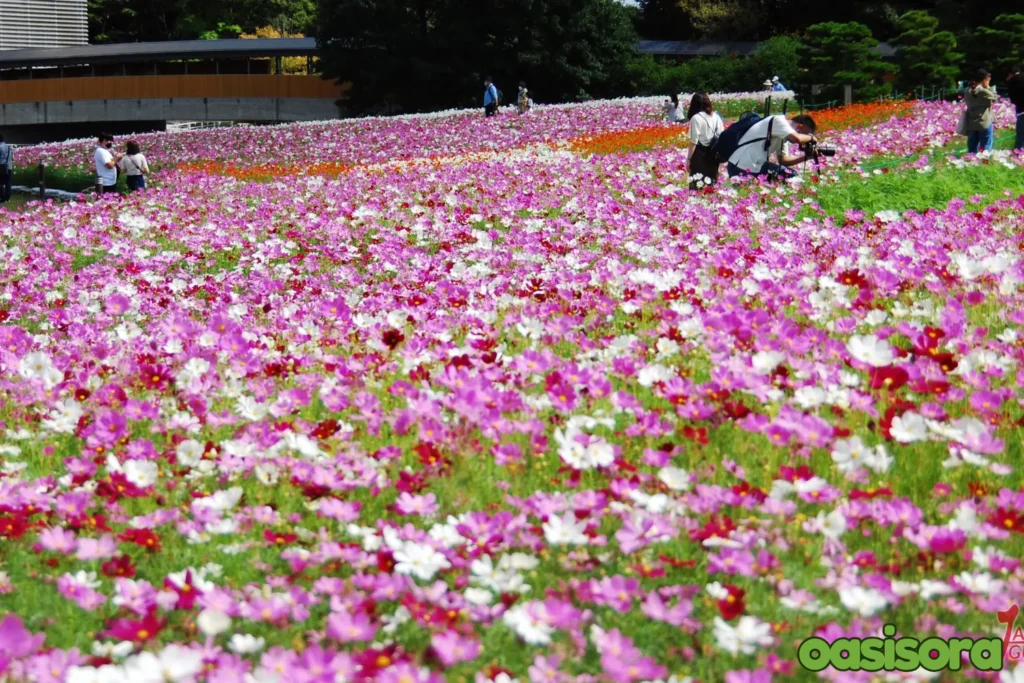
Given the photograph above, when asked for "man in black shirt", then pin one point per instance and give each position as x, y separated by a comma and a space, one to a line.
1016, 87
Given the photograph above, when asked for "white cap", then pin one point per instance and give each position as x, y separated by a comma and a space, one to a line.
775, 79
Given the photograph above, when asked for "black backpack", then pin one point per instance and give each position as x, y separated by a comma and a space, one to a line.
725, 145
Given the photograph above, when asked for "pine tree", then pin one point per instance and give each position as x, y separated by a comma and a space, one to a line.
836, 55
926, 56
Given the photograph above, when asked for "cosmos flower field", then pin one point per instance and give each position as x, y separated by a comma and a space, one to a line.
505, 401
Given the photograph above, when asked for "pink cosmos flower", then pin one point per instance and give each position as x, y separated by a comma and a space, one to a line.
452, 648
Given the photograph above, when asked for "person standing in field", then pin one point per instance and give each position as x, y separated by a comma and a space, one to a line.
134, 167
6, 170
705, 127
980, 121
673, 111
106, 164
490, 97
1015, 83
523, 99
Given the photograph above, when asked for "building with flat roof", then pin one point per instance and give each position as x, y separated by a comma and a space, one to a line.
43, 23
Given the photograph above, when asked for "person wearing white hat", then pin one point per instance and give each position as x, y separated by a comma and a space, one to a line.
777, 85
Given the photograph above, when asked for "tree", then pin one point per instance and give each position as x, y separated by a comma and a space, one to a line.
926, 57
124, 21
778, 56
996, 47
431, 54
835, 55
724, 19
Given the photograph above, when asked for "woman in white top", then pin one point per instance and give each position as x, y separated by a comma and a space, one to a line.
672, 110
705, 127
134, 166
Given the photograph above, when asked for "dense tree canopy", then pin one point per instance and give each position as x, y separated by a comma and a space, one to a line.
835, 54
117, 21
427, 54
927, 56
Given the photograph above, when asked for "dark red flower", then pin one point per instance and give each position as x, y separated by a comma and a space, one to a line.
136, 630
144, 538
120, 566
732, 605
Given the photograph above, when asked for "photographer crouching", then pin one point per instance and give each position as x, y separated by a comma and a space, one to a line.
766, 138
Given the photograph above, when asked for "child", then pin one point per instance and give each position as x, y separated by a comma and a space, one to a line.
524, 100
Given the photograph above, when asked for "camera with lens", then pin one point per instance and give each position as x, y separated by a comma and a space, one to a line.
813, 150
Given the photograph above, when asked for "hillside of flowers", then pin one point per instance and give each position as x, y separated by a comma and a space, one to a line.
503, 402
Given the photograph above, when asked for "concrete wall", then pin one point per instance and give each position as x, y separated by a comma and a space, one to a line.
278, 109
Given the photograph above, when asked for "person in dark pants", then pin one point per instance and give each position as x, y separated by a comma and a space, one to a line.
490, 97
1015, 83
705, 127
6, 170
106, 164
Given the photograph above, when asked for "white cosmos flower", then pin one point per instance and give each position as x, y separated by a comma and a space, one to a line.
34, 365
878, 459
909, 427
142, 473
189, 452
870, 350
565, 530
523, 620
652, 374
173, 664
749, 634
864, 601
766, 361
848, 454
213, 622
104, 674
675, 478
832, 525
419, 560
245, 644
982, 583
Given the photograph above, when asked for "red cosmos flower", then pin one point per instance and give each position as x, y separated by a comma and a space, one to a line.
119, 487
870, 494
1009, 520
853, 278
392, 338
187, 592
889, 378
155, 377
700, 435
13, 526
735, 411
144, 538
385, 561
372, 661
120, 566
715, 527
732, 605
136, 631
325, 429
277, 538
745, 490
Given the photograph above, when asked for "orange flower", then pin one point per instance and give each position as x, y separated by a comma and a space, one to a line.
863, 114
634, 140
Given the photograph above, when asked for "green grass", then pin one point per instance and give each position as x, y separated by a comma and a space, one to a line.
909, 190
67, 180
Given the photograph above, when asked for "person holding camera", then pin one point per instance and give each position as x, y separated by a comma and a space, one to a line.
980, 121
765, 139
106, 165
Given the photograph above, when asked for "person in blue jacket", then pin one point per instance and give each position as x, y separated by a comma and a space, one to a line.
777, 85
490, 97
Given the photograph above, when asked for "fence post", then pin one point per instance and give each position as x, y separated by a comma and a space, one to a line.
42, 181
848, 95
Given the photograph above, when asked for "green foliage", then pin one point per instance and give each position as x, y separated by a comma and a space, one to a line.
996, 47
837, 54
777, 56
926, 55
905, 191
117, 21
433, 54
